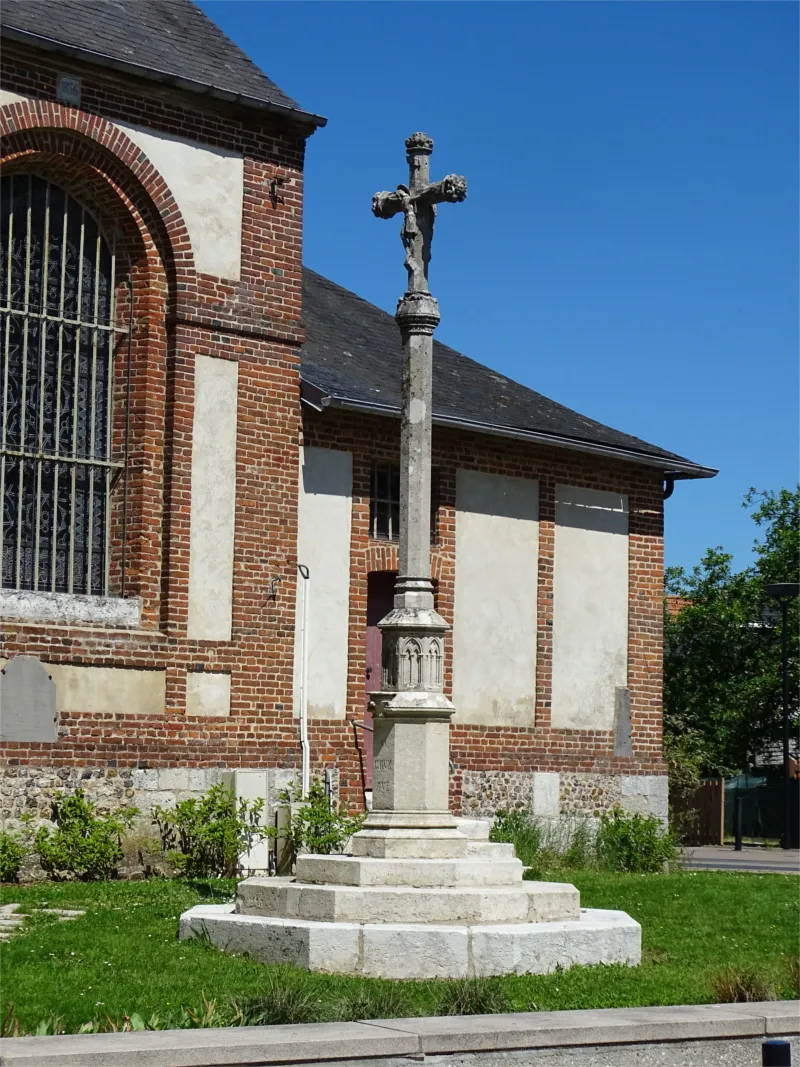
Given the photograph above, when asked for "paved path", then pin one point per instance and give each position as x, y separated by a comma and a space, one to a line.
725, 858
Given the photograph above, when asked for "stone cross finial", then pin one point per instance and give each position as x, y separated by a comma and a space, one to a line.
418, 201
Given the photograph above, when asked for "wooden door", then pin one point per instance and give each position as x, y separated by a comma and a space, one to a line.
380, 593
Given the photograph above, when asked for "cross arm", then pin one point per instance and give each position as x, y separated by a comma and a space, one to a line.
451, 189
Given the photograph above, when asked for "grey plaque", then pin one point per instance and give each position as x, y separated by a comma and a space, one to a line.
27, 701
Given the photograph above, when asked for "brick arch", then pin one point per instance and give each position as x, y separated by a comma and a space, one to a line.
32, 129
103, 181
383, 556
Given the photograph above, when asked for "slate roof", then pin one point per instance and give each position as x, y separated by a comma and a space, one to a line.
352, 357
165, 40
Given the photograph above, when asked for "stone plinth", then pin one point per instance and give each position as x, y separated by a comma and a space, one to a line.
416, 916
420, 950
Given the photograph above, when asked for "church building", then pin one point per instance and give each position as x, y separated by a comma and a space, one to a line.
199, 469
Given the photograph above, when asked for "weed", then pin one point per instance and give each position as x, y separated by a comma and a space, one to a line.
373, 1002
738, 985
473, 996
287, 998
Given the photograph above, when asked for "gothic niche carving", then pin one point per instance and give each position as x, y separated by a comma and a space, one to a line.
434, 657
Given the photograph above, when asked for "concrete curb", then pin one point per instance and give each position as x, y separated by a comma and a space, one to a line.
318, 1043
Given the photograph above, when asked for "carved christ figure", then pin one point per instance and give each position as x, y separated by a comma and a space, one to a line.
418, 204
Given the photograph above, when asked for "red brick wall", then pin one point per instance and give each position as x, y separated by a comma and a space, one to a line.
179, 313
505, 748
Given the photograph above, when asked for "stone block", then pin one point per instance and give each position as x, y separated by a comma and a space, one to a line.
540, 948
173, 778
647, 794
146, 802
552, 901
412, 951
475, 829
323, 947
545, 791
409, 844
361, 871
526, 901
145, 779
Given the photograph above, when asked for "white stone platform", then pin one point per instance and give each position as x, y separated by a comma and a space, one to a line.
445, 917
420, 950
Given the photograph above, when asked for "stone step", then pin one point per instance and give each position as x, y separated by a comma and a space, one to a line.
418, 950
480, 870
495, 850
284, 898
475, 829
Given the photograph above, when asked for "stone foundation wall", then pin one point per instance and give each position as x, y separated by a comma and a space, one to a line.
550, 794
30, 790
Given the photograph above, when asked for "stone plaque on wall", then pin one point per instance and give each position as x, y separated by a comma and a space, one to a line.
27, 701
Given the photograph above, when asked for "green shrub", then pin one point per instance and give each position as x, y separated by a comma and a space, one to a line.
632, 842
12, 853
204, 837
546, 844
317, 825
83, 844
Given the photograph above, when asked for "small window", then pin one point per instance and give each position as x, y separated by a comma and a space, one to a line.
384, 505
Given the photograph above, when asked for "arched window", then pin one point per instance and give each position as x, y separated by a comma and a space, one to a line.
57, 333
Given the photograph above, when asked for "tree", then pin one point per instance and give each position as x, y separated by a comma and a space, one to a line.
722, 662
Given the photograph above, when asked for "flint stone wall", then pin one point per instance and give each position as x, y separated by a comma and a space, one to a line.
579, 795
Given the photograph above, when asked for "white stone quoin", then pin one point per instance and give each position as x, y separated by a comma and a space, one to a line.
422, 895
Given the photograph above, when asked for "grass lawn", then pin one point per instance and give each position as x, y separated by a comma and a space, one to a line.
123, 957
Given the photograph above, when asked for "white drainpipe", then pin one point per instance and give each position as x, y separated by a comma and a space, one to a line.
305, 754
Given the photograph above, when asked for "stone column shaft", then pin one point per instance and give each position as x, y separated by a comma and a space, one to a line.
415, 457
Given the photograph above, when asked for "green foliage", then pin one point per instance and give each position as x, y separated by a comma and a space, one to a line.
205, 836
722, 651
12, 853
473, 996
635, 843
546, 845
317, 825
84, 844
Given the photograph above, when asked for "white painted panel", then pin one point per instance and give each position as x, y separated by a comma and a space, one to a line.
494, 631
323, 545
106, 690
208, 693
590, 607
208, 185
213, 499
7, 97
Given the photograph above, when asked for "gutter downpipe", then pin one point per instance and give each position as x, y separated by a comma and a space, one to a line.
305, 753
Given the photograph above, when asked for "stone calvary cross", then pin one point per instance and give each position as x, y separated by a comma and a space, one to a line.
411, 715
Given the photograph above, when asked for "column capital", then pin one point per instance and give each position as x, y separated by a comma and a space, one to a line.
417, 313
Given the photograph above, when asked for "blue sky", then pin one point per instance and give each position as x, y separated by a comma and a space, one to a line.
629, 246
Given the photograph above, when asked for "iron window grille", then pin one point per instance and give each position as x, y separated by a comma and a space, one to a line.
384, 504
58, 275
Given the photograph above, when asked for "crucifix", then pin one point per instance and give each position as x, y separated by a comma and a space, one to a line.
411, 715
